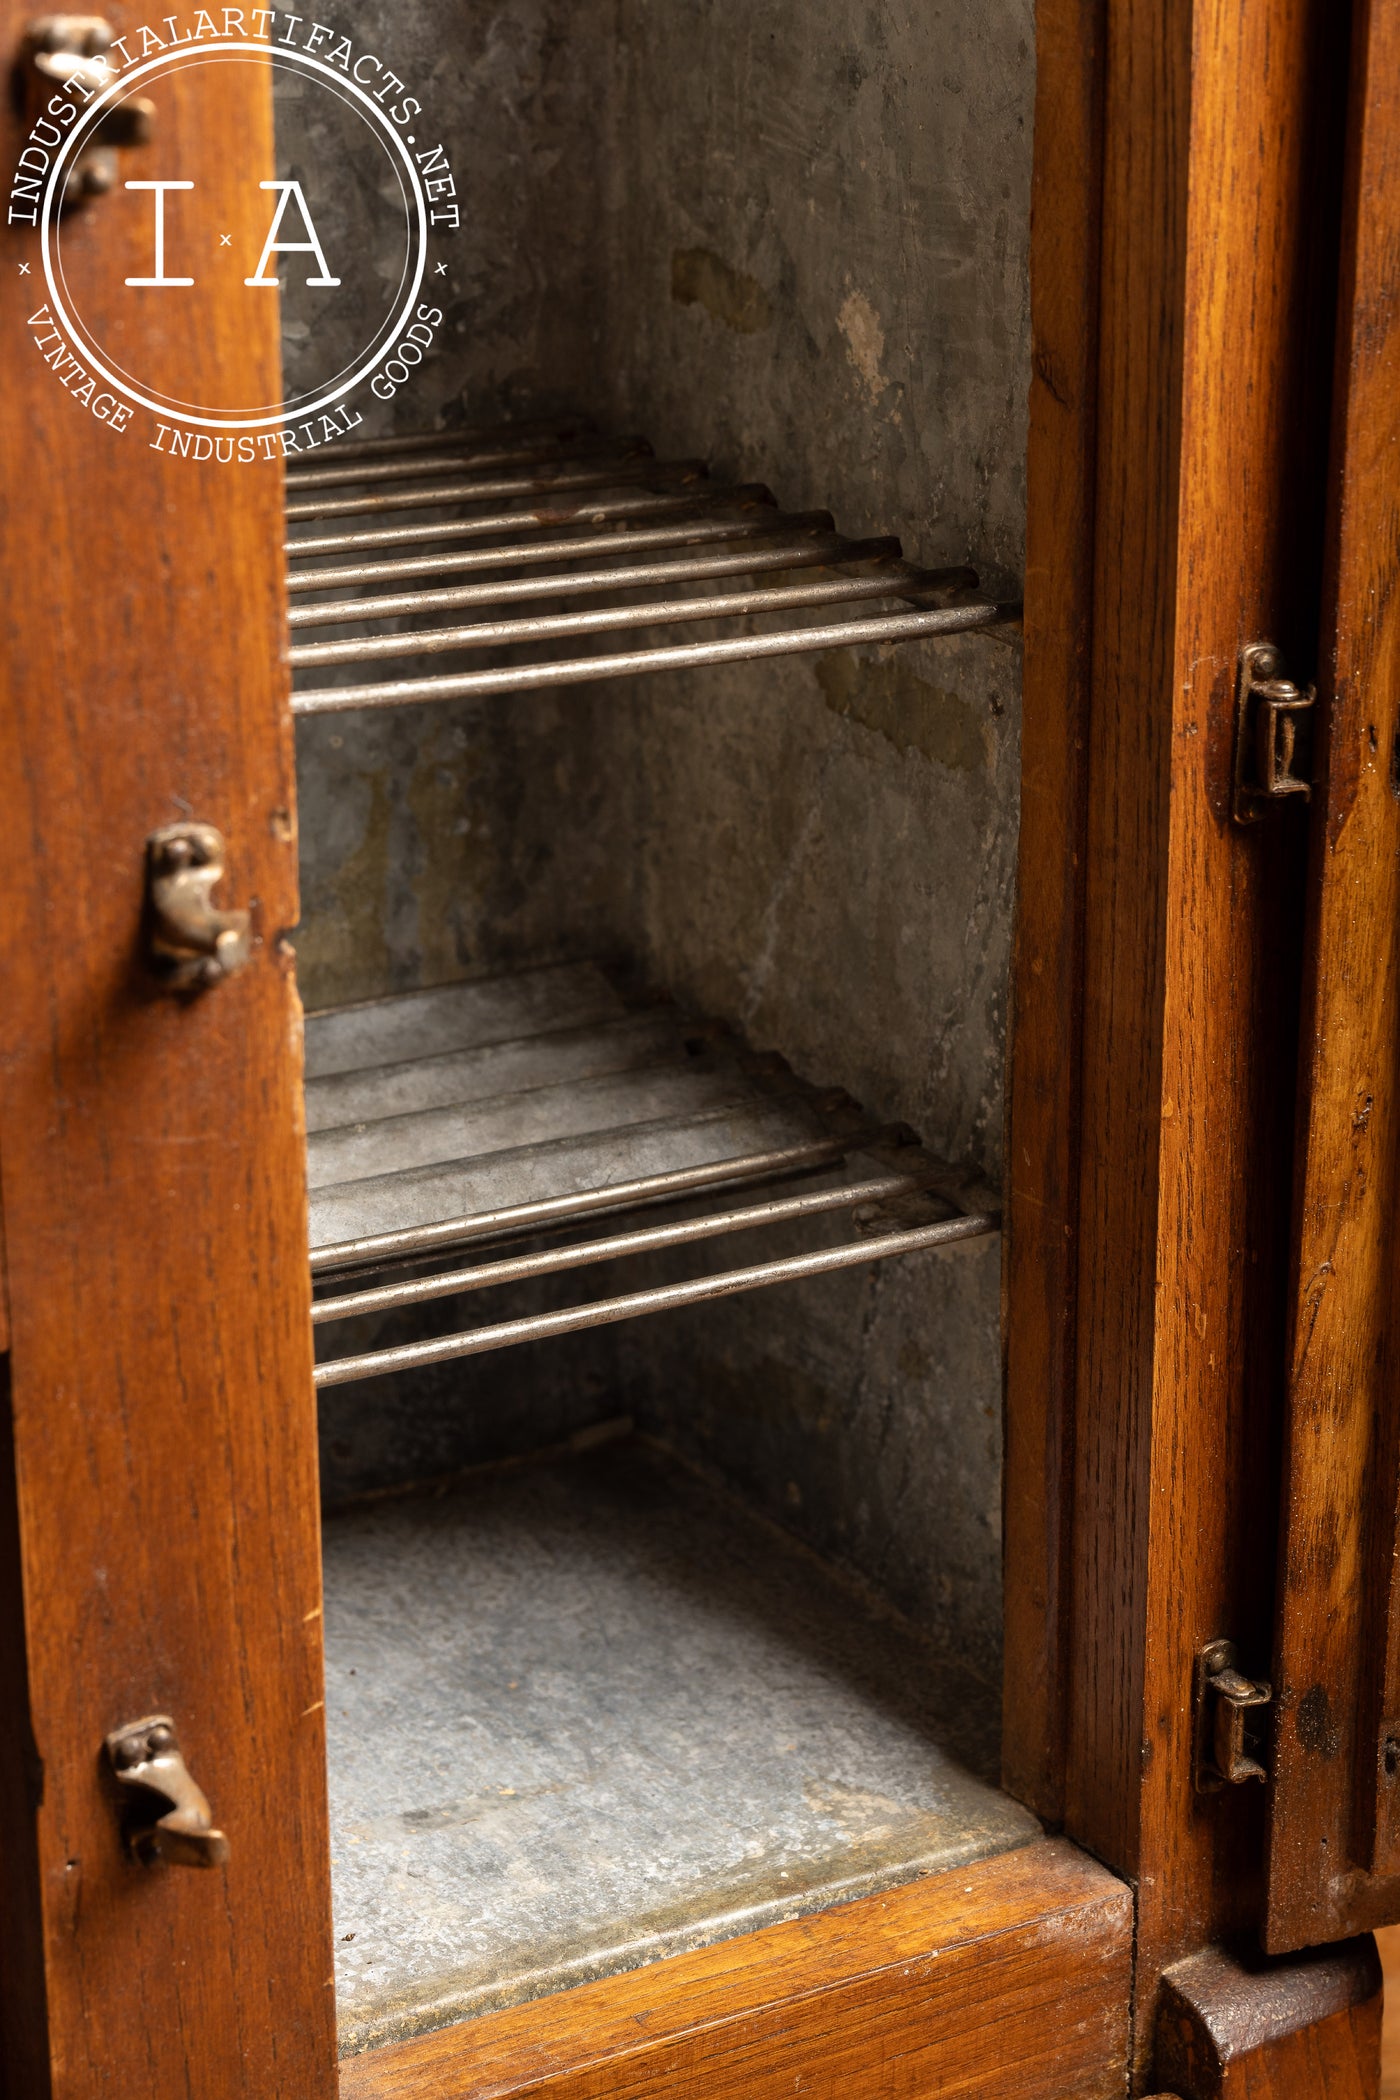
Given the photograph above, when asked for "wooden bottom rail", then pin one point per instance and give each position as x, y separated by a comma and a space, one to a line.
1007, 1980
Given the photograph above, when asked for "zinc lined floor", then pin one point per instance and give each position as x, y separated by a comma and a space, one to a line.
585, 1713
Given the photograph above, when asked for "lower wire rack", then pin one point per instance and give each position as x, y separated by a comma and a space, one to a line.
513, 1118
528, 538
458, 1122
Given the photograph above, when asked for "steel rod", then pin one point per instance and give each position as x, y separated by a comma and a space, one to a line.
636, 1304
342, 475
524, 678
777, 553
558, 427
502, 488
545, 1211
520, 1268
612, 619
525, 523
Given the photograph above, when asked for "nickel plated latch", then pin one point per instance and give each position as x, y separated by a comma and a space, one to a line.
1226, 1701
171, 1819
1272, 716
192, 944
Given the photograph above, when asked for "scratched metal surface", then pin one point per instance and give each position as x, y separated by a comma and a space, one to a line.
585, 1713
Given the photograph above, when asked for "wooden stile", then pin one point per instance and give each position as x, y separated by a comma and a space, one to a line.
164, 1502
1334, 1852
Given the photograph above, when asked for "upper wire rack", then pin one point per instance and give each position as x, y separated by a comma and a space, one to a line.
527, 521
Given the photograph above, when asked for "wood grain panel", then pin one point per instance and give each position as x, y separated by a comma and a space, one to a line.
4, 1294
23, 2030
1255, 388
163, 1426
1335, 1829
1189, 998
1043, 1068
1008, 1979
1219, 131
1388, 1947
1146, 132
1306, 2028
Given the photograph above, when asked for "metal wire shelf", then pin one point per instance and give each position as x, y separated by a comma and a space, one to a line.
490, 1135
557, 513
489, 1158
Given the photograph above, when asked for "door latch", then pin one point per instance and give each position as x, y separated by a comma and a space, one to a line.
145, 1756
1224, 1702
1271, 723
63, 50
192, 943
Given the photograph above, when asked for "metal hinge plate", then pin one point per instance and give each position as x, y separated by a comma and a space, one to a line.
1272, 718
1225, 1701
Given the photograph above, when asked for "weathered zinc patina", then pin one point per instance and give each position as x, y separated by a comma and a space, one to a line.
792, 241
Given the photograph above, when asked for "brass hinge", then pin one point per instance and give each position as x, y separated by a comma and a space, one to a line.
1224, 1700
1271, 733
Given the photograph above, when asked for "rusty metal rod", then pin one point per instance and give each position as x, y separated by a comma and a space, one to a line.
546, 1212
695, 529
523, 523
525, 678
519, 1268
503, 488
818, 551
605, 1312
341, 475
611, 619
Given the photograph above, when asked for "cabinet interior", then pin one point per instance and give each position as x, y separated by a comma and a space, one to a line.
645, 1630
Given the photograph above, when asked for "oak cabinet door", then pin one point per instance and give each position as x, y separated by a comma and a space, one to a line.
158, 1518
1334, 1859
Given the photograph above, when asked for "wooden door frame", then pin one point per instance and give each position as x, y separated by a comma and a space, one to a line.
1175, 478
1334, 1852
158, 1498
1182, 324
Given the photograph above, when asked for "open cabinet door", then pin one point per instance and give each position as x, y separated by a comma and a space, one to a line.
158, 1501
1334, 1857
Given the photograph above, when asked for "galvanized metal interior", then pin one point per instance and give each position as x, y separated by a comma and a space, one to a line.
601, 922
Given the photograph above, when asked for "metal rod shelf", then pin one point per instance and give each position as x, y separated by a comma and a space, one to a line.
816, 550
520, 1268
533, 1109
512, 526
439, 1132
634, 1305
567, 510
525, 678
550, 430
545, 481
377, 1251
355, 470
486, 634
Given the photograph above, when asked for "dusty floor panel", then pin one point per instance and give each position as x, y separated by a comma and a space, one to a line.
583, 1714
